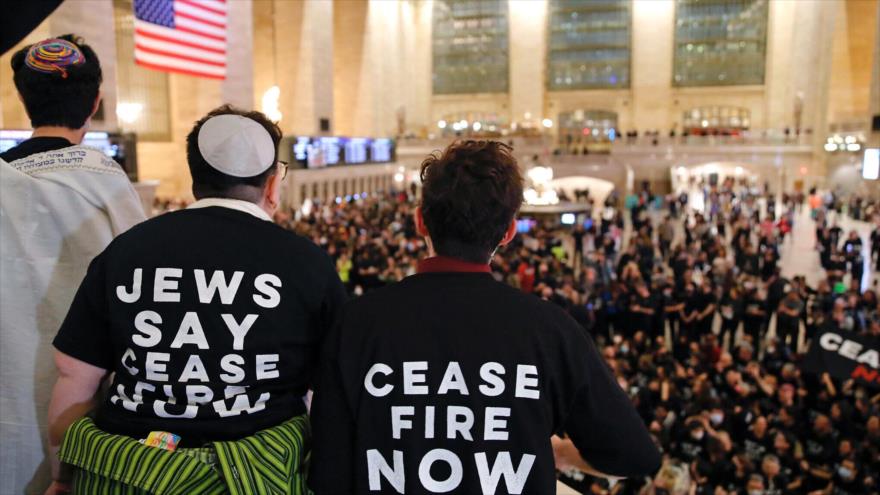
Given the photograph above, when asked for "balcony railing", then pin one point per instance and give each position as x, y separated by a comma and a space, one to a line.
547, 143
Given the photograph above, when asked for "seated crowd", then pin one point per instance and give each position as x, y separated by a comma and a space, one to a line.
683, 312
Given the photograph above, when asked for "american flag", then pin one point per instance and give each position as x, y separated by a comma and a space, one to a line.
184, 36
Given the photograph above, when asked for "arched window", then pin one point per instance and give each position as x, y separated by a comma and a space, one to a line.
588, 44
719, 42
470, 46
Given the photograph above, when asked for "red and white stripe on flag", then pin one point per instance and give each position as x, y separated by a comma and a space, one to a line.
183, 36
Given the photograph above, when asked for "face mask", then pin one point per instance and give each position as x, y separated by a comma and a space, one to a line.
716, 418
624, 349
697, 435
844, 472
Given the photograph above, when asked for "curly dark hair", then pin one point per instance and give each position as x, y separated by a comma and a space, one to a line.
53, 100
470, 193
209, 182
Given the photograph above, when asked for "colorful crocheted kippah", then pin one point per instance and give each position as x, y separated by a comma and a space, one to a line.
53, 55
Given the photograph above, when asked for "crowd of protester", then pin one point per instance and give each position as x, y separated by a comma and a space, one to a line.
693, 315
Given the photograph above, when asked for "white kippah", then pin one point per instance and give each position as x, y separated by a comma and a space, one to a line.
236, 145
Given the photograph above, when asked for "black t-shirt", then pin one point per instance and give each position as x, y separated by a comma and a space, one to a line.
754, 303
688, 448
819, 449
211, 319
834, 235
454, 382
731, 309
639, 320
35, 145
750, 263
756, 447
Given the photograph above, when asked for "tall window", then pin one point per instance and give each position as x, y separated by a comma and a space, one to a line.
142, 94
720, 42
470, 46
589, 44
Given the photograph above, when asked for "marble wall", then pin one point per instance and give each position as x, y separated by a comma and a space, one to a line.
855, 42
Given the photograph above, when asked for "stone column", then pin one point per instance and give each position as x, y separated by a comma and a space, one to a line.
653, 23
238, 88
780, 88
352, 93
293, 49
527, 55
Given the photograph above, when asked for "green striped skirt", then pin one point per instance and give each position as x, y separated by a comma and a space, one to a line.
270, 461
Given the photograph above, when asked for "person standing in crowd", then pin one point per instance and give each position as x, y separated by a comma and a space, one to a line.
452, 382
852, 251
209, 320
61, 204
731, 309
755, 316
788, 319
875, 244
665, 235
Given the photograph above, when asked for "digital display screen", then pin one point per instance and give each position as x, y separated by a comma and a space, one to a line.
101, 140
95, 139
380, 150
871, 164
567, 219
328, 151
331, 150
301, 149
355, 150
525, 225
10, 139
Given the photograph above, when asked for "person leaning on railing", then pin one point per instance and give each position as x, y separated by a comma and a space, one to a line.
209, 320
